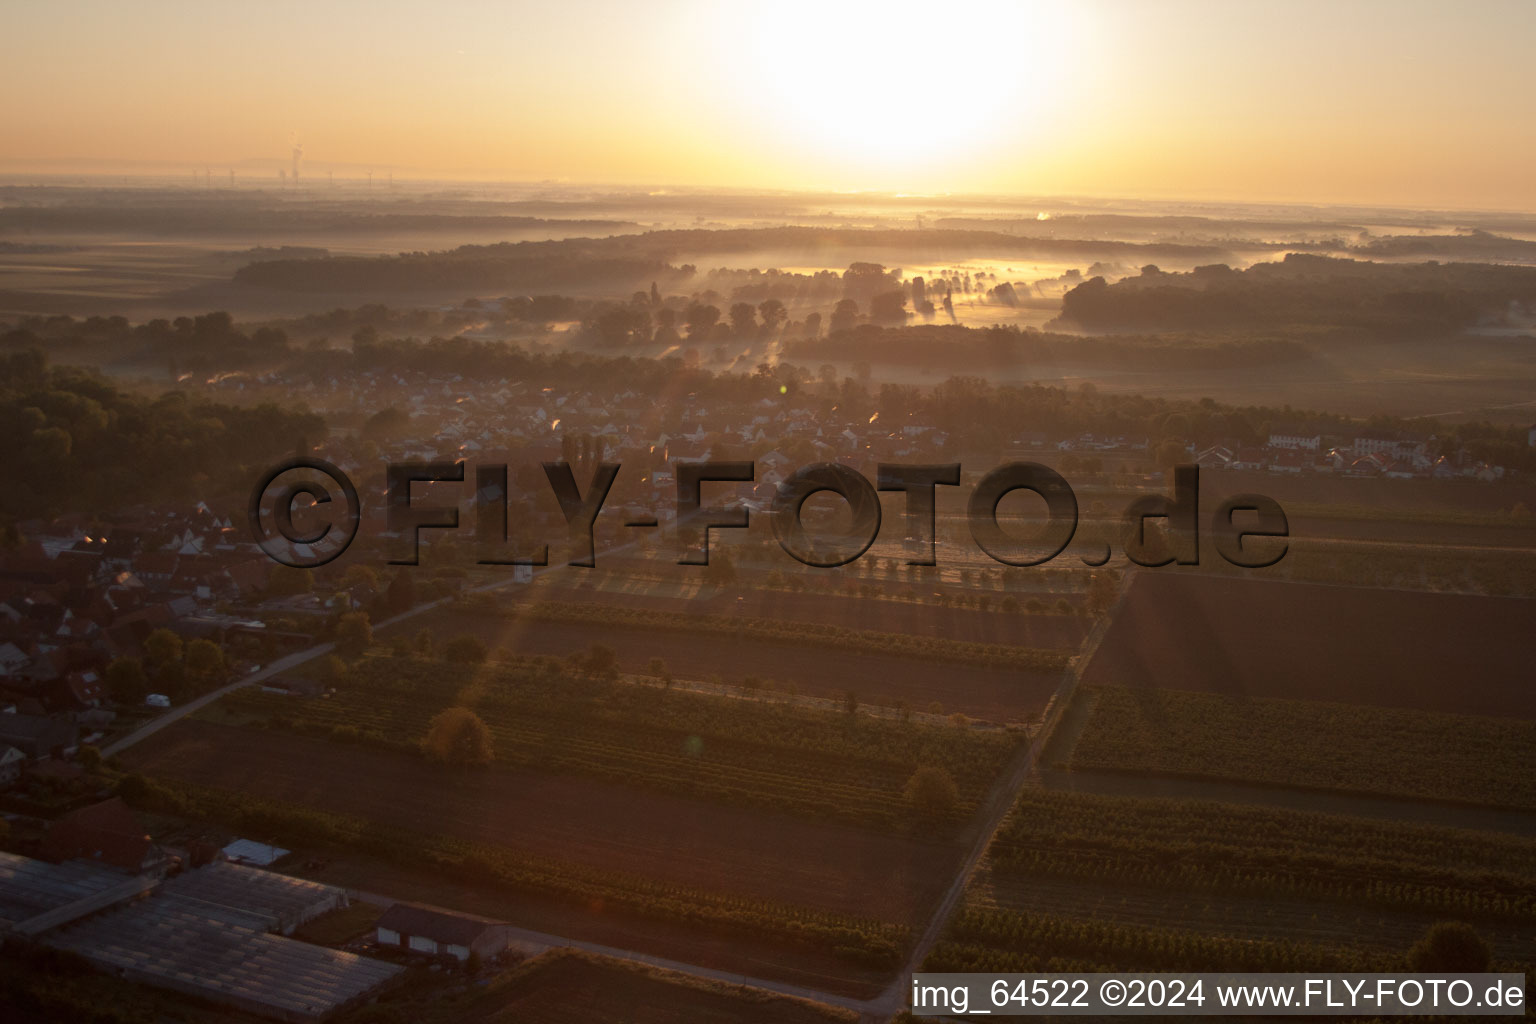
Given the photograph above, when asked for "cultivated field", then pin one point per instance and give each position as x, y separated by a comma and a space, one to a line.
988, 692
1074, 881
546, 716
1313, 745
1249, 638
1017, 629
587, 823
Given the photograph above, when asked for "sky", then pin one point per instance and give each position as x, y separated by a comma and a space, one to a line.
1393, 103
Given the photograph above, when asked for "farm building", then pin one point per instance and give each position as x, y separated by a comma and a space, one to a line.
106, 833
223, 955
281, 902
248, 851
35, 895
428, 930
206, 933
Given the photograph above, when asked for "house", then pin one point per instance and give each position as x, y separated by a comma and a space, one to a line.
424, 929
1391, 443
1248, 458
81, 690
11, 762
1215, 457
1294, 439
1287, 460
12, 659
38, 736
105, 833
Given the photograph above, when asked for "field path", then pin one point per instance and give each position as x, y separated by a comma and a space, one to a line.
1005, 791
531, 942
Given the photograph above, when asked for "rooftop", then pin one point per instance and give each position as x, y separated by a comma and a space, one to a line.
441, 925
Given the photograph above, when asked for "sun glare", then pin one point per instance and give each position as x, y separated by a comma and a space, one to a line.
904, 84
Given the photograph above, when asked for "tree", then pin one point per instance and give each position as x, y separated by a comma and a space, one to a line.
773, 313
743, 319
1170, 453
360, 576
387, 423
701, 319
601, 662
721, 571
932, 795
163, 648
1102, 589
1450, 947
658, 668
844, 315
465, 650
126, 680
285, 580
333, 670
354, 634
204, 660
458, 738
889, 308
401, 594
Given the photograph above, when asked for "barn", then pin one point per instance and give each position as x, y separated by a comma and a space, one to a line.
423, 929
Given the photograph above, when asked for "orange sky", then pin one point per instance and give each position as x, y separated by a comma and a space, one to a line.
1394, 103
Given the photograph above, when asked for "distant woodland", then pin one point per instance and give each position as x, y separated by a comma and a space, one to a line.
1301, 290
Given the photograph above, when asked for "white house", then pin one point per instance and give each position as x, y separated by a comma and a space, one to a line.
1295, 440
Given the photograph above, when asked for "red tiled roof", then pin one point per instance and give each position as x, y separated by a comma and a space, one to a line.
106, 832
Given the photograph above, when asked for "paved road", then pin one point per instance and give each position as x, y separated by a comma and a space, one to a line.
287, 663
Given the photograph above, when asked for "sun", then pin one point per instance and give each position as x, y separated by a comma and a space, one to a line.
899, 85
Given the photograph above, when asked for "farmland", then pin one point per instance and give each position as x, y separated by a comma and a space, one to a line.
595, 851
1452, 653
544, 715
584, 821
997, 694
1074, 881
663, 591
824, 635
1315, 745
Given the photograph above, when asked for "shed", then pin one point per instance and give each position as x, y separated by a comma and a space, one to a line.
430, 930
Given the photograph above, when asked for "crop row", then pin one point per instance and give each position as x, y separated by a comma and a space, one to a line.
543, 715
1194, 846
816, 634
1343, 747
990, 940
